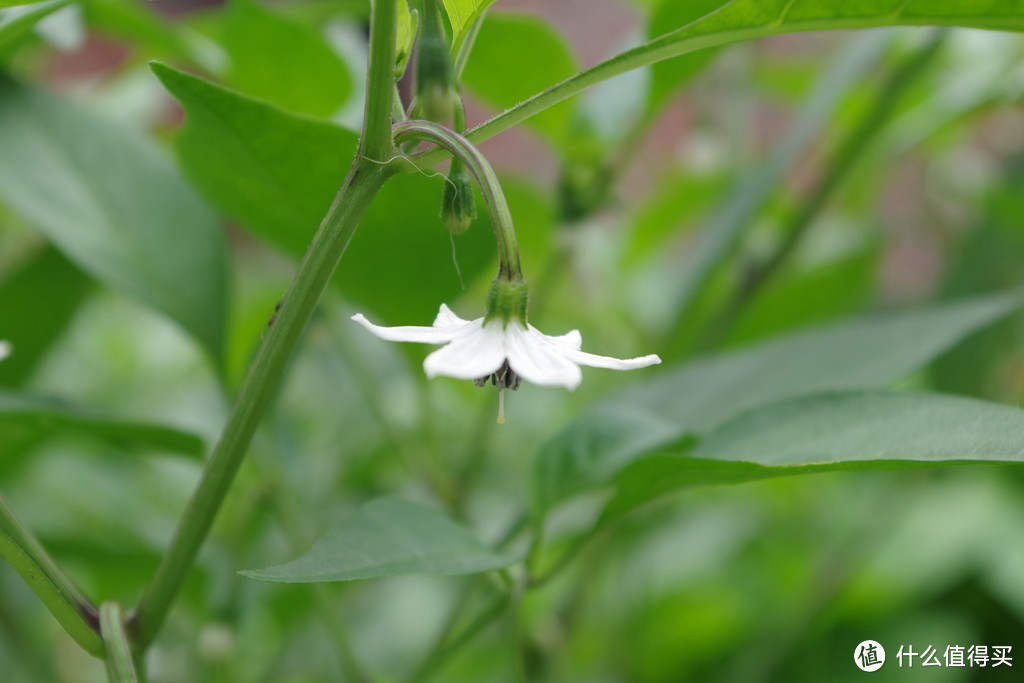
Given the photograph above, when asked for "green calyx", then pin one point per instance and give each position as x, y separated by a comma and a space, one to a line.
458, 206
436, 95
506, 301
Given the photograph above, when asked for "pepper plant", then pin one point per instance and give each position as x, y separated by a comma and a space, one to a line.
807, 248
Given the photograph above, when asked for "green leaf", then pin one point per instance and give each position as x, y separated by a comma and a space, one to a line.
593, 450
17, 21
403, 263
388, 537
698, 396
273, 171
283, 61
503, 82
277, 173
462, 14
840, 431
669, 75
20, 414
38, 301
115, 205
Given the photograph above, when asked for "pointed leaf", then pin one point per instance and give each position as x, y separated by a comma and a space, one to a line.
698, 396
840, 431
389, 537
115, 205
462, 14
273, 171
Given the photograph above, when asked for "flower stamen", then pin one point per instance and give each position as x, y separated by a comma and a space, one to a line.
503, 378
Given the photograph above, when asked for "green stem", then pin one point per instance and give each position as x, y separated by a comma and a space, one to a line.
120, 663
75, 612
367, 175
397, 111
375, 143
459, 116
501, 217
516, 635
536, 549
466, 48
362, 184
476, 453
538, 580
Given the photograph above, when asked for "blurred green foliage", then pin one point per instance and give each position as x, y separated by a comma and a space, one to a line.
876, 174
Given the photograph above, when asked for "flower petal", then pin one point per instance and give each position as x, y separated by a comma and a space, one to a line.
5, 349
540, 359
595, 361
447, 320
473, 353
572, 338
409, 333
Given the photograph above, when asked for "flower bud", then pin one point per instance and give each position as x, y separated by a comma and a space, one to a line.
586, 177
435, 96
458, 206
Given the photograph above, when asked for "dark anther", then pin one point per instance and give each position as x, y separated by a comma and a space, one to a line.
503, 378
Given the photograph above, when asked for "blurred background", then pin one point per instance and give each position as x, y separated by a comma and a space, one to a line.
857, 171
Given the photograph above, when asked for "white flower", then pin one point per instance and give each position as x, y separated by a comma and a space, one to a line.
5, 349
479, 352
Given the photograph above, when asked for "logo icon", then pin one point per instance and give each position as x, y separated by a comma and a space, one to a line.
869, 655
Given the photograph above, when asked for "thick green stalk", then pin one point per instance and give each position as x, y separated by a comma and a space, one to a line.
375, 143
358, 190
368, 174
501, 217
75, 612
120, 662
